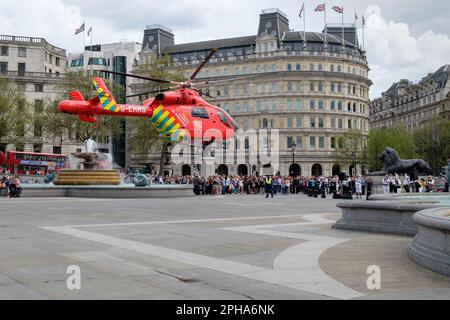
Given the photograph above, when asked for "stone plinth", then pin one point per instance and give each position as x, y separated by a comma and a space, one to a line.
88, 178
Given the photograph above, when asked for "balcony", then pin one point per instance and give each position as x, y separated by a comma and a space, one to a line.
32, 41
20, 75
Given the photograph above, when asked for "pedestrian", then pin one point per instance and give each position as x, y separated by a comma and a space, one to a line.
358, 187
269, 186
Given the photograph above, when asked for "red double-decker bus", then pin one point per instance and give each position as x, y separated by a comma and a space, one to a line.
27, 162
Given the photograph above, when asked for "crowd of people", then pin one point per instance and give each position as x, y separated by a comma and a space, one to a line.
12, 186
395, 184
312, 186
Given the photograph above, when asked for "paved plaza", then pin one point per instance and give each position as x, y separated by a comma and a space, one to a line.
238, 247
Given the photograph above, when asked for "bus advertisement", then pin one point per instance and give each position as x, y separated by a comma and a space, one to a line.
33, 163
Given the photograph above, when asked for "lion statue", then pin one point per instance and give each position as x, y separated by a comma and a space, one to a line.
394, 164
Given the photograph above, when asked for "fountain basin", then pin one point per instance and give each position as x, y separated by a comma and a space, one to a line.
381, 217
431, 246
88, 178
106, 192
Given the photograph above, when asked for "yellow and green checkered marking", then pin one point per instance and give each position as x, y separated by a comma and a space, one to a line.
167, 126
106, 99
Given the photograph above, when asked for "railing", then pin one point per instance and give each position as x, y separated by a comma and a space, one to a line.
32, 40
20, 74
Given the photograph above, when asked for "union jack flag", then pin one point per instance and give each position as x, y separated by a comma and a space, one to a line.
321, 7
338, 9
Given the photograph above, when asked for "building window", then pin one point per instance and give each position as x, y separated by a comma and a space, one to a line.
290, 142
349, 107
298, 67
312, 122
311, 87
333, 87
340, 103
311, 67
3, 68
320, 67
289, 67
321, 142
289, 105
298, 105
320, 87
21, 67
299, 122
333, 123
321, 122
265, 123
312, 104
289, 86
340, 124
320, 104
349, 123
57, 150
299, 142
340, 88
339, 69
289, 122
38, 87
332, 68
5, 51
22, 53
333, 105
333, 143
312, 142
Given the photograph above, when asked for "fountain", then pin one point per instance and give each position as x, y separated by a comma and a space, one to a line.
97, 169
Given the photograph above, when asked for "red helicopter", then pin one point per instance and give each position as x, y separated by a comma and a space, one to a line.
177, 115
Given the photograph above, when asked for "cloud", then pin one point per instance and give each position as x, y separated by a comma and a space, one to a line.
394, 53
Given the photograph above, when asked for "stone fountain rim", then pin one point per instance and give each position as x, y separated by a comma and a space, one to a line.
434, 217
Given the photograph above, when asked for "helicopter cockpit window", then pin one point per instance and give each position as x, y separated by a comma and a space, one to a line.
199, 113
223, 118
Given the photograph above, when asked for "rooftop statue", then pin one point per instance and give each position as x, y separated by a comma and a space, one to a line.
394, 164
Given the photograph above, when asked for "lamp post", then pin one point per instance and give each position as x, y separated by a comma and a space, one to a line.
353, 164
293, 147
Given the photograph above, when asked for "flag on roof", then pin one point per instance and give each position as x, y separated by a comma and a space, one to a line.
321, 7
80, 29
338, 9
302, 10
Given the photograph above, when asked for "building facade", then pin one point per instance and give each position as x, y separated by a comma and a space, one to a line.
117, 57
411, 104
38, 68
311, 89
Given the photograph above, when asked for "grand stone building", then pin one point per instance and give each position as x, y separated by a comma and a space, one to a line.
311, 89
37, 67
411, 104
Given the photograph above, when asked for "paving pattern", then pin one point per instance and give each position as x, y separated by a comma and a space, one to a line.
199, 248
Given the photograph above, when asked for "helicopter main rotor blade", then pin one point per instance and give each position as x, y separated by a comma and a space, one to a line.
140, 77
194, 75
149, 92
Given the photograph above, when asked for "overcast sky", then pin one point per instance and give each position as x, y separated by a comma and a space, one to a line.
405, 39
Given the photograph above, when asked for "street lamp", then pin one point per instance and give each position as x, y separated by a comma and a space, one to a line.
293, 147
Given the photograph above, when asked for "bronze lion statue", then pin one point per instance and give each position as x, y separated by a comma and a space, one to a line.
394, 164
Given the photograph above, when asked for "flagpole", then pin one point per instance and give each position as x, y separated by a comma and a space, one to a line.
84, 45
363, 31
325, 22
343, 34
304, 26
356, 31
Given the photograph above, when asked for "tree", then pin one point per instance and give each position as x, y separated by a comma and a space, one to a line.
396, 138
143, 137
64, 126
433, 143
349, 148
14, 114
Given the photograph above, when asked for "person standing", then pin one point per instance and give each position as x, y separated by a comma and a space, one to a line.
406, 182
386, 184
358, 187
369, 184
269, 187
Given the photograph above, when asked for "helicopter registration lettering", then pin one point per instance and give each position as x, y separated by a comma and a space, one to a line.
133, 109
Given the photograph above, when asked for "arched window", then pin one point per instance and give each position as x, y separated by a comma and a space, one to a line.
332, 87
289, 86
339, 88
311, 87
339, 69
298, 67
265, 123
289, 67
332, 68
320, 67
320, 87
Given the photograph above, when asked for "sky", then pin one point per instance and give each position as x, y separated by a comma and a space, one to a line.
404, 39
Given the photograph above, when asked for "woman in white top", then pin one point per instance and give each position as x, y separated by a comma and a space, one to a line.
358, 187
